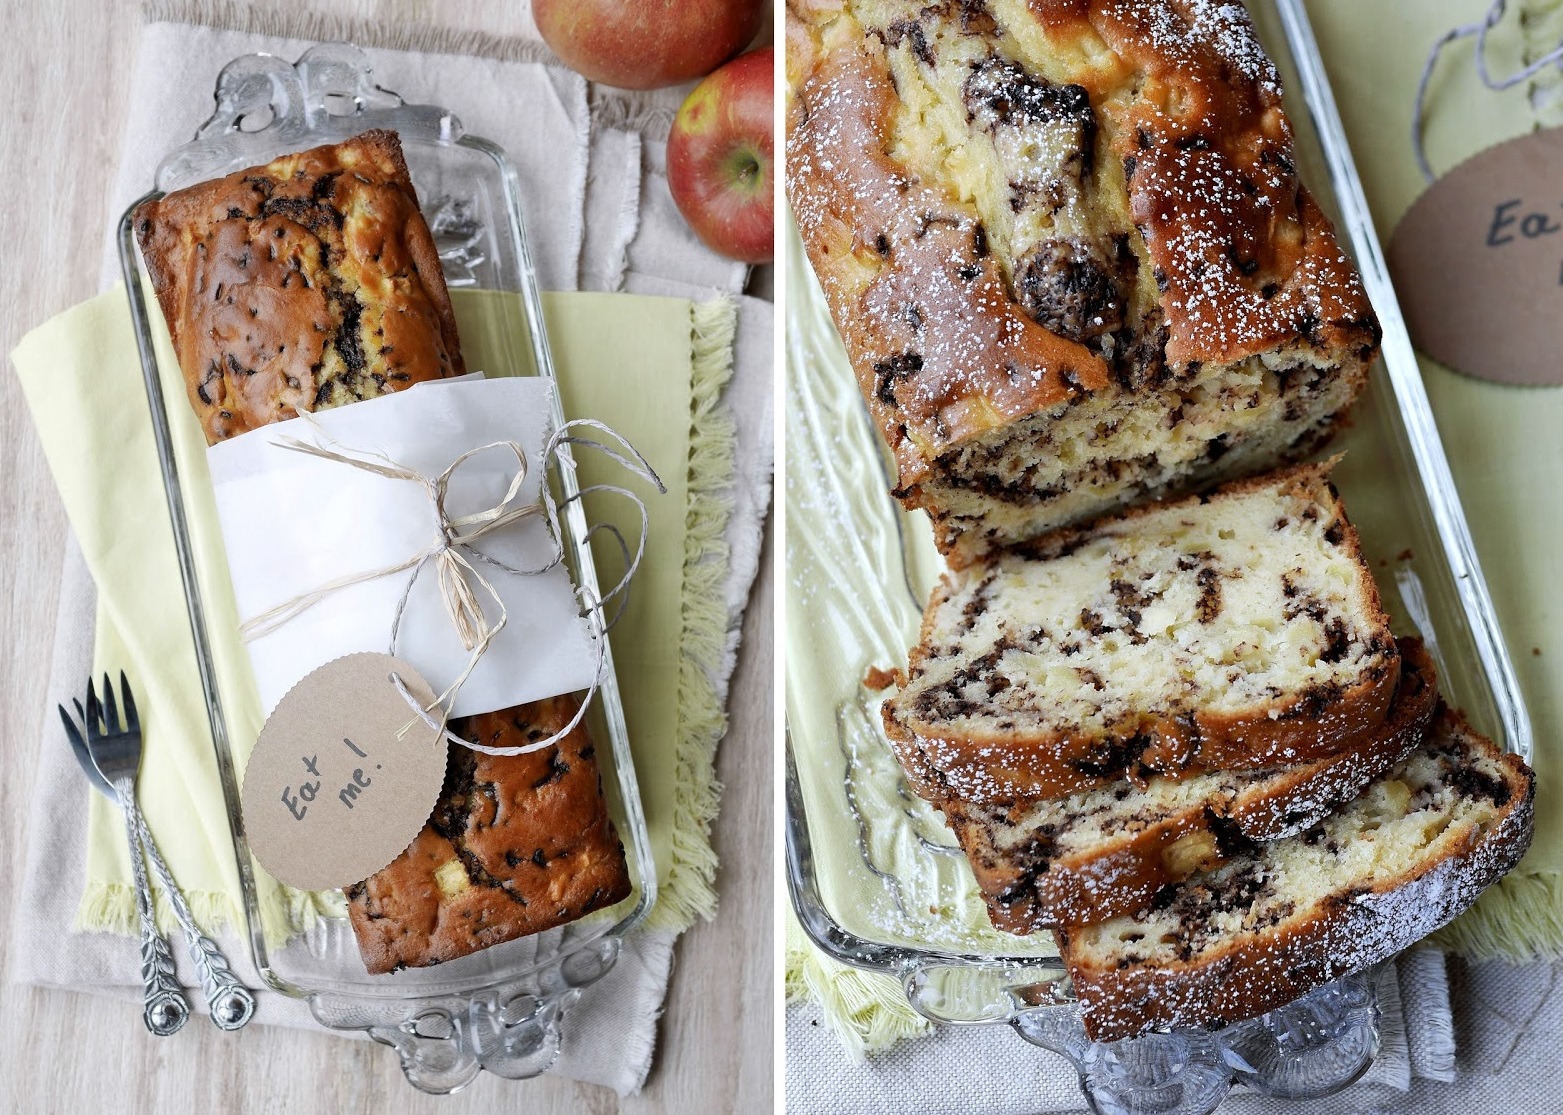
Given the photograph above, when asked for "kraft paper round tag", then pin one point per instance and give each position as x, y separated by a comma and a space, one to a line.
1478, 263
330, 794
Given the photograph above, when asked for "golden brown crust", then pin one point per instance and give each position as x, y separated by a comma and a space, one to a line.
921, 305
1250, 261
997, 768
1025, 894
1260, 972
300, 285
1245, 261
531, 836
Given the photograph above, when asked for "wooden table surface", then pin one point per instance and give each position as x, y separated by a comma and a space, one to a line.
70, 60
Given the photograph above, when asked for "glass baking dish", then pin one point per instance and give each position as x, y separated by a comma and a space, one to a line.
896, 896
498, 1009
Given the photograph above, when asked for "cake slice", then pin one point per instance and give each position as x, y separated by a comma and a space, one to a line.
1234, 631
1411, 852
1068, 252
1095, 855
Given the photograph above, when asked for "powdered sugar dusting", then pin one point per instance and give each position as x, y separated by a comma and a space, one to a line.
1222, 26
1245, 262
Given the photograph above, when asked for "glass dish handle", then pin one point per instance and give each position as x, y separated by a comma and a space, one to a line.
266, 103
511, 1031
1314, 1047
442, 1051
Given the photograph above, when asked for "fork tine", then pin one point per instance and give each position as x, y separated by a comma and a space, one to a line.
94, 713
83, 753
132, 721
70, 726
110, 707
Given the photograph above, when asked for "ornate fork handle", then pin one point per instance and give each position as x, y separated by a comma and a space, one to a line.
229, 1001
165, 1010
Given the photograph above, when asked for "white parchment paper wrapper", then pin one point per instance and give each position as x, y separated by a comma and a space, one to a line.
292, 522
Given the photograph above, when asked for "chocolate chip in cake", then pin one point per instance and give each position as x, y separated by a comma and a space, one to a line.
1472, 782
1337, 641
557, 769
892, 370
908, 31
1208, 608
1066, 286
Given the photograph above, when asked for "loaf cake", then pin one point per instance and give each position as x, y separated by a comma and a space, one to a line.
1067, 250
313, 282
1237, 630
304, 284
1095, 855
1264, 928
516, 844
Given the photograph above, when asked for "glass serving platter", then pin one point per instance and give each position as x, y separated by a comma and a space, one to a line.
500, 1009
877, 880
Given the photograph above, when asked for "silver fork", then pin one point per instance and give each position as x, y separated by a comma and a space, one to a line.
110, 756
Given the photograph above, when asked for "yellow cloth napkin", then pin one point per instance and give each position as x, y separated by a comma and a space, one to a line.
1503, 443
640, 364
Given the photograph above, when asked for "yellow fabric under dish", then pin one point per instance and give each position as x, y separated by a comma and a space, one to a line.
640, 364
1502, 442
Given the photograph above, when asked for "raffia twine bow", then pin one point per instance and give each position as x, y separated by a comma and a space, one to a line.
454, 551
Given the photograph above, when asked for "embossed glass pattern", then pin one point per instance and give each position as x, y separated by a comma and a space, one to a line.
500, 1009
876, 879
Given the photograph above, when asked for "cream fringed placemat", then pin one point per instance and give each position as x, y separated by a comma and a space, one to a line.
1495, 1052
999, 1074
604, 224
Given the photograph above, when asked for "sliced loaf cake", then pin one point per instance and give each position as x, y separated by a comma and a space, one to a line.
1411, 852
1232, 631
1095, 855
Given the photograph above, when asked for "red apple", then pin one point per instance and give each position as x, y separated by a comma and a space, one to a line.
646, 44
720, 158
